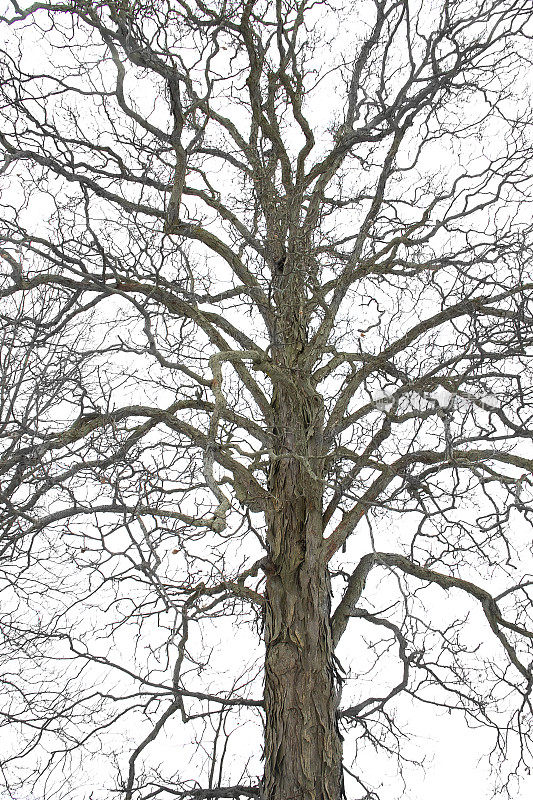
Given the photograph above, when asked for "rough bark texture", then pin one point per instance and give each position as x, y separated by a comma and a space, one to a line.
302, 742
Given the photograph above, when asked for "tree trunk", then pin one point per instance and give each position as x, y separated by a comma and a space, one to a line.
302, 743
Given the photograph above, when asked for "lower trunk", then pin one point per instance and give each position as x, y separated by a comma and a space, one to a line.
303, 748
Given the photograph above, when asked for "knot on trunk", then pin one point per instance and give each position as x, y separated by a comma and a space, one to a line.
282, 657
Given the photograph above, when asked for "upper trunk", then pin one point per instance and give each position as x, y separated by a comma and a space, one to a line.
302, 743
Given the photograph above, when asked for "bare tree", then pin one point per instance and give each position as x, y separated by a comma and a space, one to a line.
266, 384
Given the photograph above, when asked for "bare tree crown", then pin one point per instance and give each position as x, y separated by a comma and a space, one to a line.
266, 304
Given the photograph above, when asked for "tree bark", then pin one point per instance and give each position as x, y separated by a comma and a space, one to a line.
303, 749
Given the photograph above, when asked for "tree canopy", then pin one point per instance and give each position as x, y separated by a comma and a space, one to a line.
265, 392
